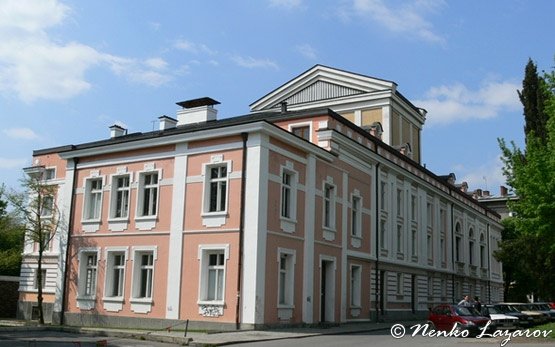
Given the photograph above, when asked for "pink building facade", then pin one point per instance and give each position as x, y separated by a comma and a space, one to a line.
312, 208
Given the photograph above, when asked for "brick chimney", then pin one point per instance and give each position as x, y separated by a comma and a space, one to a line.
197, 111
503, 191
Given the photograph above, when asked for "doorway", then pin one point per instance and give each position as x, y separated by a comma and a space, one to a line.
327, 290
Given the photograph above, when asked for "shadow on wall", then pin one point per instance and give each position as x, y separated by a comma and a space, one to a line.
9, 287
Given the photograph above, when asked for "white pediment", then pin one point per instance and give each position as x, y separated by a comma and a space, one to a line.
321, 83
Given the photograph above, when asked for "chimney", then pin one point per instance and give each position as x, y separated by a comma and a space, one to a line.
503, 191
117, 131
167, 122
464, 187
197, 111
485, 193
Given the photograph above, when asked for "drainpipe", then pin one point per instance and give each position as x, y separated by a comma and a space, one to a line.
489, 265
245, 137
453, 252
70, 223
377, 228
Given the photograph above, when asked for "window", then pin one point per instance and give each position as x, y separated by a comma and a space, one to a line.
93, 198
356, 216
148, 194
88, 263
47, 206
120, 197
286, 182
399, 238
302, 131
356, 275
143, 286
115, 274
442, 248
458, 248
482, 251
430, 245
329, 206
42, 280
383, 234
49, 174
414, 207
471, 246
399, 203
217, 188
213, 261
286, 263
383, 195
414, 242
430, 286
430, 214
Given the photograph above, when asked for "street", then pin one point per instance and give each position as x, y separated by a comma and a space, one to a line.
61, 339
384, 339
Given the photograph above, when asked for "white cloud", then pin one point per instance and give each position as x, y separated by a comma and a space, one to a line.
33, 66
448, 104
307, 51
191, 47
406, 19
488, 176
156, 63
288, 4
6, 163
252, 63
20, 133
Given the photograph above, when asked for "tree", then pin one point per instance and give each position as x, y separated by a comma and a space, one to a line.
529, 249
532, 97
11, 240
40, 216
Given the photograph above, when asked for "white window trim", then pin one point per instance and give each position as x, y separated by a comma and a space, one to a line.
299, 125
216, 160
290, 289
114, 303
356, 287
140, 193
203, 251
141, 305
288, 224
113, 197
47, 168
86, 302
86, 196
333, 201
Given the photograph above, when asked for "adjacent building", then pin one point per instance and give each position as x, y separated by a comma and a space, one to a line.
314, 207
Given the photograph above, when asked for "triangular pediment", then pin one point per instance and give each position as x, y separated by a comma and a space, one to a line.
321, 83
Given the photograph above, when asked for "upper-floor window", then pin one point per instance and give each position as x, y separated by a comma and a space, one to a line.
399, 202
217, 188
49, 173
482, 251
458, 248
148, 194
286, 193
93, 198
471, 246
414, 242
329, 206
47, 206
356, 216
120, 197
413, 207
302, 131
383, 195
42, 279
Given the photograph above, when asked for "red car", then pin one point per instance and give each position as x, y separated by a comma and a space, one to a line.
552, 305
444, 317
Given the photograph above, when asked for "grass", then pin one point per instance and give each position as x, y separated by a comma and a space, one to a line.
547, 327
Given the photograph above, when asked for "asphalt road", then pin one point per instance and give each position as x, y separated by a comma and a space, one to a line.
384, 339
62, 339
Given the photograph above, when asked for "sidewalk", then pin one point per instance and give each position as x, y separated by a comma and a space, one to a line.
207, 339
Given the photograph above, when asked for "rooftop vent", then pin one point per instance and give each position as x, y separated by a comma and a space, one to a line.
167, 122
117, 131
197, 111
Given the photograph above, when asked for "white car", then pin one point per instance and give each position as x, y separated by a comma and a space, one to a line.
501, 320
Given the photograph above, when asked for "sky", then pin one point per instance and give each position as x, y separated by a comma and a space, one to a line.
70, 69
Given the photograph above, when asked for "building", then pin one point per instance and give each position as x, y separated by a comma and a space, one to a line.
312, 208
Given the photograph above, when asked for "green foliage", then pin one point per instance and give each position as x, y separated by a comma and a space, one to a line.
11, 241
533, 96
528, 246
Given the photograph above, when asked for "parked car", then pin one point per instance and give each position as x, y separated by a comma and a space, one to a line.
539, 318
524, 320
501, 320
552, 305
543, 308
445, 317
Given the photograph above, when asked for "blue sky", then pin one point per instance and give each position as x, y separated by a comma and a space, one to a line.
70, 69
